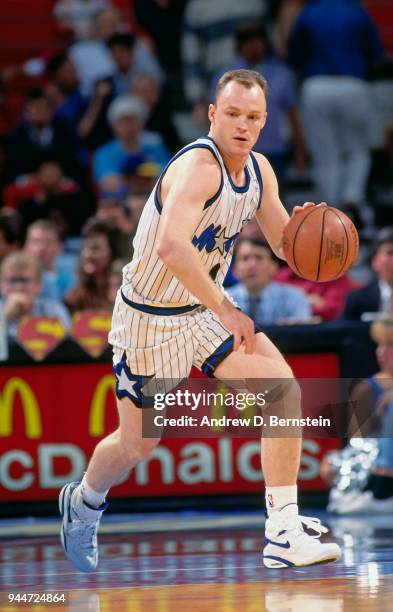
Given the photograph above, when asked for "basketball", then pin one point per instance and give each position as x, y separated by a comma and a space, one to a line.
320, 243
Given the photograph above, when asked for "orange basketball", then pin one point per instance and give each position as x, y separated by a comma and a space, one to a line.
320, 244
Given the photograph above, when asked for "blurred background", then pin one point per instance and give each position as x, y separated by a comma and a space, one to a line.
95, 98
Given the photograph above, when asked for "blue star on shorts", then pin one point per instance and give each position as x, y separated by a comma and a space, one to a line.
130, 385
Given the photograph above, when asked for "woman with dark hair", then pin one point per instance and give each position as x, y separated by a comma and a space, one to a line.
100, 249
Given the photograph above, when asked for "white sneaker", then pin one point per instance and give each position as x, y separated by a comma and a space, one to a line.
365, 503
288, 545
79, 528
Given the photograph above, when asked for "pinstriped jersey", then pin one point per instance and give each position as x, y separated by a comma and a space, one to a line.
147, 280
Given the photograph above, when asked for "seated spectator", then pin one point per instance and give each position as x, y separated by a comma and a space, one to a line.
326, 299
140, 176
372, 417
94, 128
78, 15
40, 137
63, 90
377, 296
120, 215
59, 272
265, 301
276, 141
127, 116
116, 278
9, 237
20, 286
132, 58
50, 195
92, 58
100, 248
147, 88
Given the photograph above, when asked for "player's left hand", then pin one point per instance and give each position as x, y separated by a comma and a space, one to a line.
297, 209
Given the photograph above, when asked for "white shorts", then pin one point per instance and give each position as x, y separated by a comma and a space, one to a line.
154, 352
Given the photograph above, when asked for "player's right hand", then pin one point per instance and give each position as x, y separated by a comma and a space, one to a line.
241, 326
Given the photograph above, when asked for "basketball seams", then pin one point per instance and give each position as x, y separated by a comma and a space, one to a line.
347, 244
321, 244
295, 238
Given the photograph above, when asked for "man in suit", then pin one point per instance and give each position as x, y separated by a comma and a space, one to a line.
377, 296
265, 301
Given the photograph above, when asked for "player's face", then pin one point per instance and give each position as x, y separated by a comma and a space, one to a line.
254, 266
237, 118
383, 262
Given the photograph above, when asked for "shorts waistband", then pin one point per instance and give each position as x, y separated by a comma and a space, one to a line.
175, 310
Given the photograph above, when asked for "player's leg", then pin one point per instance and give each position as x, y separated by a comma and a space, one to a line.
121, 450
138, 370
280, 456
82, 504
286, 543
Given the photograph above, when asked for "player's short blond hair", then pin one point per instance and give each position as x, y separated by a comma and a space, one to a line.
248, 78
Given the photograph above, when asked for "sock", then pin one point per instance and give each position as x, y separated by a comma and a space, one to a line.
277, 497
382, 487
90, 496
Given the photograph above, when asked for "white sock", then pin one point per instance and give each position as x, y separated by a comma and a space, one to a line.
277, 497
91, 497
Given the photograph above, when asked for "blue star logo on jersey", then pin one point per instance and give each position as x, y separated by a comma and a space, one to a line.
213, 238
128, 384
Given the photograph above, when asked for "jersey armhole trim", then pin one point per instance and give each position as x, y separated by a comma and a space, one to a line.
257, 171
208, 202
237, 188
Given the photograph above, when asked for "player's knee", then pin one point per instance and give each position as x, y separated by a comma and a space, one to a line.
284, 391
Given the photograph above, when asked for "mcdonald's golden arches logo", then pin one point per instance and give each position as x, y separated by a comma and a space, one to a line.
31, 411
98, 405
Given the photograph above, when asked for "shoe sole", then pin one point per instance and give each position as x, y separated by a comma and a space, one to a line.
276, 563
64, 499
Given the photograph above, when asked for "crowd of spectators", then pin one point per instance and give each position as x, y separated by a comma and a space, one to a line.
128, 83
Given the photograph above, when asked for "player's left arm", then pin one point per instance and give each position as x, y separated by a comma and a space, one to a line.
272, 216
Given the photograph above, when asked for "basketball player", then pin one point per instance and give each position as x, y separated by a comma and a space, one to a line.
171, 313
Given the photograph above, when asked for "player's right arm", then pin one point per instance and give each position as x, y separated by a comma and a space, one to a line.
189, 182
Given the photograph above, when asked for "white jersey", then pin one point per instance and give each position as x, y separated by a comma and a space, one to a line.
146, 279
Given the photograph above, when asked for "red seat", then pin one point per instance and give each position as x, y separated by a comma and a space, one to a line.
381, 11
27, 30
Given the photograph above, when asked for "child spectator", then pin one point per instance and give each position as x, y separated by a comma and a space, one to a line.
20, 286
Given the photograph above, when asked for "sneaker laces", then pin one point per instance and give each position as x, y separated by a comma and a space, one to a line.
294, 524
85, 531
314, 524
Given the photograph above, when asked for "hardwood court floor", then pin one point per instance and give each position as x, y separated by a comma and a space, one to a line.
215, 569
